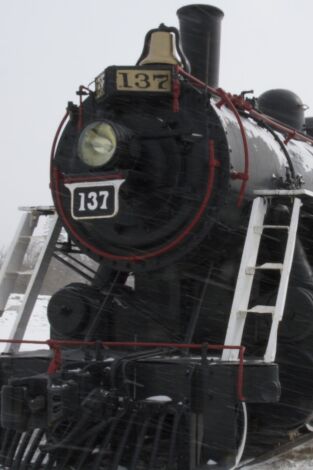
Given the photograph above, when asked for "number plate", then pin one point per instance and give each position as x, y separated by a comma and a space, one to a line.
94, 199
143, 80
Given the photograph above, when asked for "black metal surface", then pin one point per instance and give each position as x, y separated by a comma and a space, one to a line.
200, 30
309, 125
72, 310
283, 105
177, 234
137, 416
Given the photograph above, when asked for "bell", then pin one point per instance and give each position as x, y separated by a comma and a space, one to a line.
161, 49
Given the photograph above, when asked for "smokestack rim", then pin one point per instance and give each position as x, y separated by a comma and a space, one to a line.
200, 11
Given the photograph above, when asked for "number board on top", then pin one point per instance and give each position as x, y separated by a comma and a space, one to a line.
148, 80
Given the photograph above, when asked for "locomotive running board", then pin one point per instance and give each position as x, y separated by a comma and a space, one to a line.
12, 266
240, 307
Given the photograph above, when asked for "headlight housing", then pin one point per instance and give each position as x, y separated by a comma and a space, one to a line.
97, 144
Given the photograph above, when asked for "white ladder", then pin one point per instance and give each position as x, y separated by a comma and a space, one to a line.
12, 266
240, 310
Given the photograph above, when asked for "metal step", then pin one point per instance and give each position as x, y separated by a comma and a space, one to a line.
19, 273
260, 309
250, 270
259, 228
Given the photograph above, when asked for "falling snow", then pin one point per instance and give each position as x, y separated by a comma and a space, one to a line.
38, 329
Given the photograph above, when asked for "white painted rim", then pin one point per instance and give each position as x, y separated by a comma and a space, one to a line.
309, 426
243, 440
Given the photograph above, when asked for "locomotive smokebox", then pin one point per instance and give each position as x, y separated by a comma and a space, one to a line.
200, 31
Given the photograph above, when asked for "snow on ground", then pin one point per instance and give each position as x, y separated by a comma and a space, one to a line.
297, 459
38, 329
38, 326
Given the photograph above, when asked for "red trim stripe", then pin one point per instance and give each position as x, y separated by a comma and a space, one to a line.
56, 346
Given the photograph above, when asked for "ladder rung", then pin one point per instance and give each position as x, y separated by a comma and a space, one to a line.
19, 273
262, 309
31, 237
269, 266
277, 227
306, 216
258, 229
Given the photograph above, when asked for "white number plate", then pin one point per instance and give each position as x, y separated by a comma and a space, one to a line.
143, 80
94, 199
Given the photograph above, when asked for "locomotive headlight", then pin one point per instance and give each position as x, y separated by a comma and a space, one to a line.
97, 144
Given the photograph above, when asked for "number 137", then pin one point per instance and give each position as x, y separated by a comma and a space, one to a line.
92, 201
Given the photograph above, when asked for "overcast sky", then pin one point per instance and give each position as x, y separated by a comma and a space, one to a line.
49, 47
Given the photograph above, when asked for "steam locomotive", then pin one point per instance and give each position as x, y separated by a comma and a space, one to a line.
153, 176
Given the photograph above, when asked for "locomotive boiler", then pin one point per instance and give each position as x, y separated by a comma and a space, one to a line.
153, 176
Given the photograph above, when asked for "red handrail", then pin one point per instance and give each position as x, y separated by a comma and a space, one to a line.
236, 103
242, 104
56, 346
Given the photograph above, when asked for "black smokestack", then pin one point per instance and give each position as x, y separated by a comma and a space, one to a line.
200, 31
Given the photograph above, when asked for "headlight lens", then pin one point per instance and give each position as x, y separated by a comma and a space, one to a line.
97, 144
